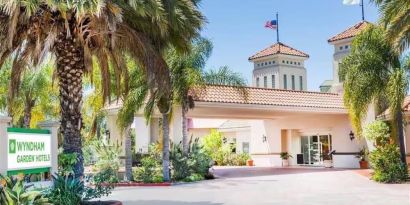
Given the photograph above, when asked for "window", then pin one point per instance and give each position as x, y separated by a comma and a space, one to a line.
301, 82
291, 62
287, 62
245, 147
299, 63
341, 48
285, 82
265, 81
273, 81
259, 64
346, 46
266, 63
293, 82
257, 82
270, 62
283, 61
273, 62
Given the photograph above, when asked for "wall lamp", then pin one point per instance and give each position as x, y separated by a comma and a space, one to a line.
264, 138
351, 135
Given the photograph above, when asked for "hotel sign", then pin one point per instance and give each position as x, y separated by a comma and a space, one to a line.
28, 149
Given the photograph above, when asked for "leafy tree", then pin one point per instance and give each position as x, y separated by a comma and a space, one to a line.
75, 31
373, 74
36, 99
396, 20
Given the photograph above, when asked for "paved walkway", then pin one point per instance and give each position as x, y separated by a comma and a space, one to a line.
273, 186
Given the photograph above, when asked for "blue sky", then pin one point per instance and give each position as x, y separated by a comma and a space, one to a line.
236, 28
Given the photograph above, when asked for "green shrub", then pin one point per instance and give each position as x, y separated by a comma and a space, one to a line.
377, 132
241, 159
199, 161
387, 165
212, 145
66, 191
108, 156
104, 182
66, 163
180, 168
149, 172
14, 192
194, 178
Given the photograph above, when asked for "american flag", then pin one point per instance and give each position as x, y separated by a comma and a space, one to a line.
273, 24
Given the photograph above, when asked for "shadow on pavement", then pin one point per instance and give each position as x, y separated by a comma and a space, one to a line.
167, 202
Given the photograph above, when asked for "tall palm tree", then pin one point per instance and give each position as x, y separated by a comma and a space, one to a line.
396, 19
186, 72
75, 31
374, 74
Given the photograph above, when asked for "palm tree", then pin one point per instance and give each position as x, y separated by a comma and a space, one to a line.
224, 76
186, 72
75, 31
396, 20
374, 74
36, 96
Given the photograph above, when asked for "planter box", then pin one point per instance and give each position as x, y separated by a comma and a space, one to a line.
285, 163
364, 164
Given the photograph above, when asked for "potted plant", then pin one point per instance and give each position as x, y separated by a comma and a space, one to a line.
249, 162
362, 155
327, 160
285, 158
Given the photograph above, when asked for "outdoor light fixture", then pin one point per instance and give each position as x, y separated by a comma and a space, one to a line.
264, 138
351, 135
107, 133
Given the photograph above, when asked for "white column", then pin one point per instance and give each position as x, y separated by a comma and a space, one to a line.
142, 135
265, 153
53, 127
176, 125
4, 123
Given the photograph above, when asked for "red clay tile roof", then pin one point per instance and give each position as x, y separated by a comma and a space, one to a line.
350, 32
264, 96
279, 48
405, 106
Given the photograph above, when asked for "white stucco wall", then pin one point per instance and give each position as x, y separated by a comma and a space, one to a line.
336, 125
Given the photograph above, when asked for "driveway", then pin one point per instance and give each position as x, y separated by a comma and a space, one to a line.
284, 186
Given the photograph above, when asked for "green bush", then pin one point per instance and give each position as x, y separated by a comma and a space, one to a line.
108, 156
378, 132
194, 178
387, 165
185, 166
66, 163
66, 191
180, 168
14, 192
149, 172
199, 161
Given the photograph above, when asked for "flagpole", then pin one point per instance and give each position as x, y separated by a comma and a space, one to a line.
362, 4
277, 27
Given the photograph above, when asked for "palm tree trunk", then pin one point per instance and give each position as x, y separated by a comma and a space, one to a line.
128, 154
70, 68
165, 147
27, 113
401, 137
185, 142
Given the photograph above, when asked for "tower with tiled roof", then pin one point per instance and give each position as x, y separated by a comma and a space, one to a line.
281, 67
342, 44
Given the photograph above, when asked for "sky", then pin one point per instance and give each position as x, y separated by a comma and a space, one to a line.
236, 28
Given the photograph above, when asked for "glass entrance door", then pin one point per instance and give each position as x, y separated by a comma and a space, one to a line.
314, 148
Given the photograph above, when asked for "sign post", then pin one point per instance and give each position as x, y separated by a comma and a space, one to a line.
4, 123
